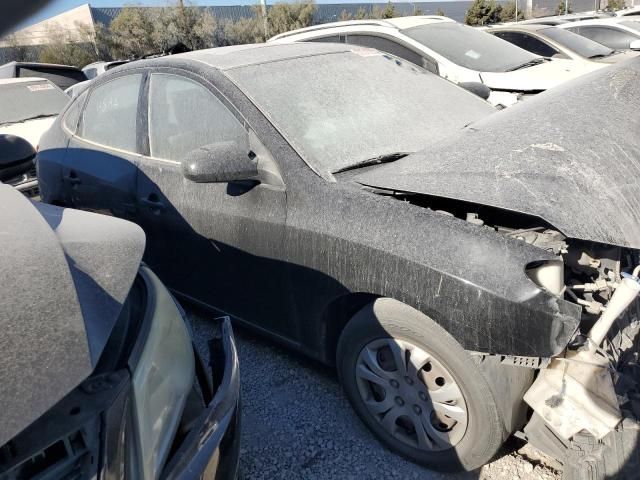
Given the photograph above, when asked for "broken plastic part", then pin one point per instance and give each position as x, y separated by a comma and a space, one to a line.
624, 295
574, 394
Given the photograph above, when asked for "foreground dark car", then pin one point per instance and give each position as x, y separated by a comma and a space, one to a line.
99, 375
259, 176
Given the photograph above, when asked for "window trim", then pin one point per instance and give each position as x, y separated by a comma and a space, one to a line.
90, 91
67, 111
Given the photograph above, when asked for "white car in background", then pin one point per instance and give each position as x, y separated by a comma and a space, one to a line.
554, 42
629, 12
29, 106
454, 51
98, 68
618, 33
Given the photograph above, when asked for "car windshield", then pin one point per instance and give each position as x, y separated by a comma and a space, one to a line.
342, 109
577, 43
471, 48
632, 24
26, 100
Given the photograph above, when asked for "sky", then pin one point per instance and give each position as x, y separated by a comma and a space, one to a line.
58, 6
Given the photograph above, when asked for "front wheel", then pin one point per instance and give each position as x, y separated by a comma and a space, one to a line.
417, 389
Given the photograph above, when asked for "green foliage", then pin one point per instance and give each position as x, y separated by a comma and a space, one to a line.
614, 5
508, 13
362, 14
560, 8
417, 11
281, 17
68, 48
440, 12
344, 15
483, 12
389, 11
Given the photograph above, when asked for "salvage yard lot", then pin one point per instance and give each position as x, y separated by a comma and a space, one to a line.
297, 423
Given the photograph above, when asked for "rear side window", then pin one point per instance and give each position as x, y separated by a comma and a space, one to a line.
72, 115
109, 118
386, 45
528, 42
62, 77
184, 116
612, 38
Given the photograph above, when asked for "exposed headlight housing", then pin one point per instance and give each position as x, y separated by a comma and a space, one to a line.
548, 274
161, 379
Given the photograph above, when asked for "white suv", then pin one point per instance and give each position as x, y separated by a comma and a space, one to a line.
453, 51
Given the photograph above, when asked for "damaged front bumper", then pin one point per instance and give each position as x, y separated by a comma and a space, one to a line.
212, 447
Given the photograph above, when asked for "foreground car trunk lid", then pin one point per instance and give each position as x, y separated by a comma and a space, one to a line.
539, 77
67, 274
570, 156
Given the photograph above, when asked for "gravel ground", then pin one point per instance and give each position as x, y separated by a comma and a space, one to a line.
297, 423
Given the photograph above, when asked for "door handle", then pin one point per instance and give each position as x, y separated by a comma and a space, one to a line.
153, 203
72, 178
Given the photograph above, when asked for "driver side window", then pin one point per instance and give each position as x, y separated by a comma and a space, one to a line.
184, 115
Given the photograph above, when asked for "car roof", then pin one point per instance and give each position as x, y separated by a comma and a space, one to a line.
398, 23
39, 64
5, 81
599, 21
528, 27
226, 58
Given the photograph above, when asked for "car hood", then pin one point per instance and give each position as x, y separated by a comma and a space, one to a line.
66, 274
30, 130
570, 156
539, 77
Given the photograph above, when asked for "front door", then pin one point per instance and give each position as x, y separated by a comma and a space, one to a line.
215, 242
99, 168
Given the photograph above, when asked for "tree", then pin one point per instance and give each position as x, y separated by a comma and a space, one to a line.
417, 11
69, 48
15, 49
134, 33
613, 5
440, 12
362, 14
344, 15
389, 11
508, 13
244, 30
483, 12
560, 8
281, 17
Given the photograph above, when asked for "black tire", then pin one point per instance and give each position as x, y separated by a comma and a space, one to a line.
385, 318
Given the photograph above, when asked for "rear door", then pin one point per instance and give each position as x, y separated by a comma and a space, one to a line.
100, 164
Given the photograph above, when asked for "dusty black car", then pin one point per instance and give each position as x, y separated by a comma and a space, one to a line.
275, 183
99, 375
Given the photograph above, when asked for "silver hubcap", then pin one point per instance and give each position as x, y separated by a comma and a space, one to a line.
411, 394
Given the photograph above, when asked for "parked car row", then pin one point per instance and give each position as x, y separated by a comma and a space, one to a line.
469, 272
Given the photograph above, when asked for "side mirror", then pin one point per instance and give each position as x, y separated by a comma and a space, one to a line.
17, 156
480, 89
220, 163
635, 45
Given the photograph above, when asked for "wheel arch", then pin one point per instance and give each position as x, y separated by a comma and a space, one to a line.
337, 314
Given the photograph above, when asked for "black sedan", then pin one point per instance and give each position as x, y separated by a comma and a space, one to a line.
99, 375
276, 183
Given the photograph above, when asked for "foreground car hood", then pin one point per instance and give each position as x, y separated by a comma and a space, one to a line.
31, 130
570, 156
539, 77
66, 275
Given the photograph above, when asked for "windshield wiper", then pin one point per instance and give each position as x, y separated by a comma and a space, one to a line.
390, 157
536, 61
